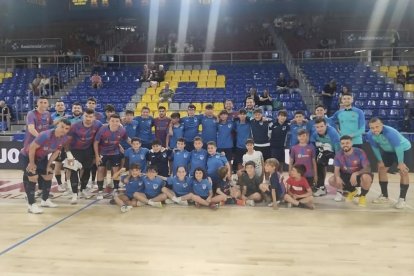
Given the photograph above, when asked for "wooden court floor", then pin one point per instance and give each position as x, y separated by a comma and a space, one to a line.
94, 238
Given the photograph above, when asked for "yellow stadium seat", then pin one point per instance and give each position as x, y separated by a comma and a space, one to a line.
140, 106
168, 78
204, 72
197, 106
195, 72
221, 78
173, 85
218, 106
194, 78
409, 87
150, 91
2, 75
393, 68
176, 78
216, 112
155, 114
220, 85
185, 78
201, 84
169, 113
392, 74
169, 73
183, 114
202, 78
186, 72
211, 78
178, 73
384, 69
153, 106
8, 75
212, 72
211, 84
158, 90
1, 80
146, 98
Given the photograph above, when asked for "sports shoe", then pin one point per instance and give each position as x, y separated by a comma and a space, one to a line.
362, 201
155, 204
400, 204
214, 206
68, 193
62, 188
241, 202
339, 196
351, 195
38, 193
125, 208
85, 194
381, 200
99, 196
34, 209
48, 203
183, 203
321, 191
112, 202
74, 199
169, 201
250, 202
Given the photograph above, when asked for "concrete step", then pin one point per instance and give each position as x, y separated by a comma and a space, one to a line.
15, 127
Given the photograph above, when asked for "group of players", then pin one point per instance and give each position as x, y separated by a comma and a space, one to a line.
184, 165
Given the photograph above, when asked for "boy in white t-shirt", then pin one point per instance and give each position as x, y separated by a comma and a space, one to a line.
255, 156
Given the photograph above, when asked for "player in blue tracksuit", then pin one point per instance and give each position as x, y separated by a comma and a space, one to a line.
243, 132
198, 156
390, 147
136, 155
209, 125
180, 157
131, 127
145, 124
225, 135
152, 194
297, 124
191, 124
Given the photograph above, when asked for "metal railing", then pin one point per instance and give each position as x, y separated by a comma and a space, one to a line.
190, 58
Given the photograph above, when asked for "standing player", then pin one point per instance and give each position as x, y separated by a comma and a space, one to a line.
298, 124
161, 124
260, 133
175, 130
390, 147
37, 120
37, 166
225, 135
107, 150
58, 115
320, 113
214, 161
131, 127
191, 124
159, 158
59, 112
180, 157
278, 135
351, 120
326, 140
81, 137
76, 113
145, 124
91, 103
243, 132
136, 155
209, 125
198, 156
351, 169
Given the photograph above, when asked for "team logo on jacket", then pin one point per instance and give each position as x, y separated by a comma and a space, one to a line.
195, 120
164, 155
155, 186
201, 157
185, 155
204, 186
140, 183
185, 185
229, 125
142, 157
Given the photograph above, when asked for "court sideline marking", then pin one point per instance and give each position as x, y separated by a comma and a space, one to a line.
46, 228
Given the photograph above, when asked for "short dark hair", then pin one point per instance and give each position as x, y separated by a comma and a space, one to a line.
282, 113
59, 101
77, 103
299, 112
181, 167
136, 139
191, 106
200, 169
128, 111
109, 108
347, 94
42, 98
115, 116
198, 138
89, 111
175, 115
346, 137
249, 141
209, 106
223, 112
258, 110
250, 163
320, 120
302, 131
222, 172
156, 142
135, 166
320, 105
242, 111
374, 120
152, 168
161, 107
300, 168
212, 143
181, 139
91, 99
145, 108
65, 121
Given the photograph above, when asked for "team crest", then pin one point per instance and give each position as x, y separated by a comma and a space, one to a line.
204, 186
201, 157
164, 155
155, 186
185, 155
229, 125
185, 185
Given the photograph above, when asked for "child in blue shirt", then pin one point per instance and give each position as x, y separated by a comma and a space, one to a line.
180, 157
133, 184
152, 194
179, 187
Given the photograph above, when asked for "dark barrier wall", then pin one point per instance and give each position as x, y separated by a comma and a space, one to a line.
9, 156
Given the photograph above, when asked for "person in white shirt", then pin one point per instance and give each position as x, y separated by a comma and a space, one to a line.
255, 156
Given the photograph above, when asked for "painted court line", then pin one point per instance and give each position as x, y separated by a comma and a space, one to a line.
45, 229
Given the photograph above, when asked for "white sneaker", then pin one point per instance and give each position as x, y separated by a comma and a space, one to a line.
169, 201
68, 193
125, 208
321, 191
85, 194
74, 199
62, 188
381, 200
99, 196
155, 204
400, 204
250, 202
48, 203
339, 197
34, 209
39, 193
183, 203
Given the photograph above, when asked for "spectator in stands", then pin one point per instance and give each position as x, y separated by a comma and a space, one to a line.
410, 75
250, 104
34, 86
228, 106
265, 101
293, 85
253, 94
96, 81
5, 115
281, 83
44, 85
345, 90
401, 77
166, 94
328, 94
55, 83
145, 74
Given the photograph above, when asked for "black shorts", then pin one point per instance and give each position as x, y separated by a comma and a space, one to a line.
310, 180
111, 161
279, 154
41, 165
346, 177
389, 158
227, 152
85, 157
249, 192
238, 155
61, 156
